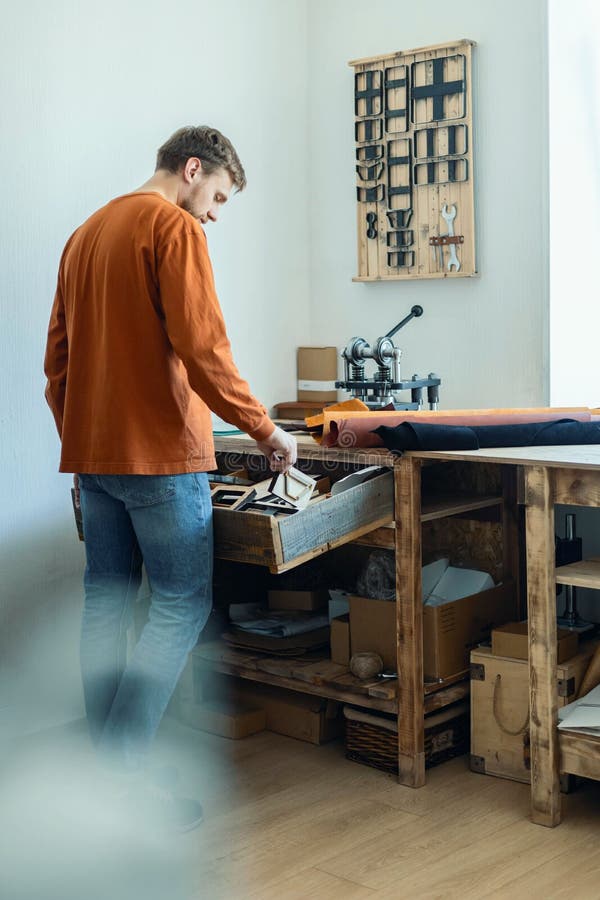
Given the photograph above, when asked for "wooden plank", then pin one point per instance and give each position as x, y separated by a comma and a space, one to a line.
412, 277
585, 573
246, 537
411, 746
573, 487
277, 666
349, 682
541, 601
338, 519
219, 651
438, 507
447, 696
457, 45
432, 686
386, 689
319, 672
568, 456
305, 687
381, 537
442, 506
579, 754
237, 448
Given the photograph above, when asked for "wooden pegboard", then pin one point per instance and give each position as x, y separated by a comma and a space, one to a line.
413, 129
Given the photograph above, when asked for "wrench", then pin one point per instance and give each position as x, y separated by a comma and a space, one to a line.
449, 217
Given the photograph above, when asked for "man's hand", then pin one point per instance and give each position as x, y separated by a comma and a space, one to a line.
280, 449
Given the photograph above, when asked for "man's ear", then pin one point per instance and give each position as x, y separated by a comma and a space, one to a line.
192, 169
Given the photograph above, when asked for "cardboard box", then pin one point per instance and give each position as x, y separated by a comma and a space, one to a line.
296, 411
317, 373
227, 718
373, 627
300, 716
511, 640
450, 631
340, 640
302, 601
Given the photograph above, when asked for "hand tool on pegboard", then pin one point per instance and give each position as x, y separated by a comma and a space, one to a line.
449, 216
448, 240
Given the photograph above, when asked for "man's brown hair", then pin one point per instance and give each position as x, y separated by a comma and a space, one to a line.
211, 147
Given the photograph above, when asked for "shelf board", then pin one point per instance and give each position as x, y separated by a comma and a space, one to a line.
443, 505
585, 573
440, 507
579, 754
321, 678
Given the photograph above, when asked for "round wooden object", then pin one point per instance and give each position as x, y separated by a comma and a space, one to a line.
366, 664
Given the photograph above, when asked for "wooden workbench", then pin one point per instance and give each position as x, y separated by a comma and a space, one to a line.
410, 697
546, 475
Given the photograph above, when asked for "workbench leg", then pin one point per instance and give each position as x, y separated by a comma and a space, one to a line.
541, 603
411, 731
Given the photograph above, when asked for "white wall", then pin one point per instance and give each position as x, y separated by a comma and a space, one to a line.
574, 126
486, 336
89, 91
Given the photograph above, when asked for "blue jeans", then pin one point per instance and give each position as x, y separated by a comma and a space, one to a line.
164, 521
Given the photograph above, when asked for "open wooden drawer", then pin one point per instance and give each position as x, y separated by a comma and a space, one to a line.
286, 542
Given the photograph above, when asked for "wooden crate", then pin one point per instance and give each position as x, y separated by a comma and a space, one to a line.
373, 740
500, 731
414, 154
282, 543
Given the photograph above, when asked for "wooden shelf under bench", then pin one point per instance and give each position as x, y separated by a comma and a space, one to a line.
585, 573
323, 678
438, 507
579, 754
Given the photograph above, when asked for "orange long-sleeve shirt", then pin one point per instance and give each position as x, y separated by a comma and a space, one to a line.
137, 351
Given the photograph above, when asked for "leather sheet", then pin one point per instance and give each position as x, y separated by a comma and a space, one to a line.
347, 428
425, 436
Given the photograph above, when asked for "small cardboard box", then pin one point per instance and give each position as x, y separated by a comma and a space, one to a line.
340, 640
300, 601
511, 640
373, 627
450, 631
317, 373
300, 716
227, 718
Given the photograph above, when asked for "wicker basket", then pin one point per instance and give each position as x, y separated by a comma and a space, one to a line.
373, 740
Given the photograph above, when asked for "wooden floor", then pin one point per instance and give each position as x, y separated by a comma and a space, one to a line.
285, 820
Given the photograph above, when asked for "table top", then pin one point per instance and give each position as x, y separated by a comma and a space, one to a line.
567, 456
309, 449
572, 456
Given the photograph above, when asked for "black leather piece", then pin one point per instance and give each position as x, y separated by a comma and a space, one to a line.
424, 436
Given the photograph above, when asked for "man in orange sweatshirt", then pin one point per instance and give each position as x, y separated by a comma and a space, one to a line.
137, 357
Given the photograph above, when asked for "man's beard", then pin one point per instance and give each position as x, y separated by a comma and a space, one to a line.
187, 205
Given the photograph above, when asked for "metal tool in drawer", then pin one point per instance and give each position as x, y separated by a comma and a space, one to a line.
380, 391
